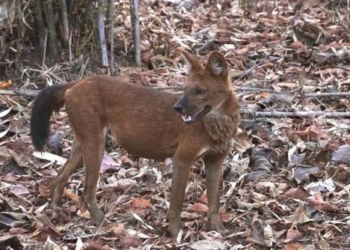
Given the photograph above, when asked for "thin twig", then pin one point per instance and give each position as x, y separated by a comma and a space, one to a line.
45, 48
83, 68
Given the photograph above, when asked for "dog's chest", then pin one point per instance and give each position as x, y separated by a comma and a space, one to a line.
221, 130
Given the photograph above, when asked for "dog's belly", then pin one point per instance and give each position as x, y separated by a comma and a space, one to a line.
148, 149
143, 143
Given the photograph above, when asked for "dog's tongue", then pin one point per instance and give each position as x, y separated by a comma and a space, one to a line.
187, 118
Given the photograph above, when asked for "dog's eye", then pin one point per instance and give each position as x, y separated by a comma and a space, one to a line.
199, 91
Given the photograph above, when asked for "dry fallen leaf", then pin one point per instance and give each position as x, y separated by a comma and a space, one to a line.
300, 214
293, 246
320, 187
4, 85
118, 229
293, 233
208, 245
296, 193
197, 207
50, 245
318, 203
257, 233
342, 155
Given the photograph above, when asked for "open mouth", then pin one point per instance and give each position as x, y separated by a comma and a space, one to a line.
197, 115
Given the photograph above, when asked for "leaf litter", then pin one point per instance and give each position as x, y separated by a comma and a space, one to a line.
286, 186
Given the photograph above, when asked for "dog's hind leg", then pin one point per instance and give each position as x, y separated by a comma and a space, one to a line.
74, 162
93, 149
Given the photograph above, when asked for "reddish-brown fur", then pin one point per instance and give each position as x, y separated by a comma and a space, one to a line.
144, 122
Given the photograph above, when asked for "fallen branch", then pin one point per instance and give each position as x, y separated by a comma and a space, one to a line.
20, 92
332, 94
250, 89
297, 114
256, 114
257, 90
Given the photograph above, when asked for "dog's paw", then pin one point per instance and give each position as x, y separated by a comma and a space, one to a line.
174, 228
216, 225
59, 216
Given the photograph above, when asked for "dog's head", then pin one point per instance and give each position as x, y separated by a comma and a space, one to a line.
206, 89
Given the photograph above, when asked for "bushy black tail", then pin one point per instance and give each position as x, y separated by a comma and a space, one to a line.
49, 100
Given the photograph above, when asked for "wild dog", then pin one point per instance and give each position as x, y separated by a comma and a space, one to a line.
144, 122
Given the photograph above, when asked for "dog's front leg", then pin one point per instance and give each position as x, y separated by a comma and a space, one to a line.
213, 170
182, 163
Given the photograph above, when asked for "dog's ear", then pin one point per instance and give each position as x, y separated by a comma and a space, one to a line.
193, 64
217, 65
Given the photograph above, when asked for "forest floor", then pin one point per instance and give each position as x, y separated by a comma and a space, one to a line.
287, 187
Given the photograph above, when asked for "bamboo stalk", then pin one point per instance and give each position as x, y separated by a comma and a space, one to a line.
70, 5
101, 33
134, 12
50, 20
65, 26
20, 29
111, 23
41, 27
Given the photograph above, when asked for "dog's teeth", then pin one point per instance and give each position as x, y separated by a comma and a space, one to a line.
187, 118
